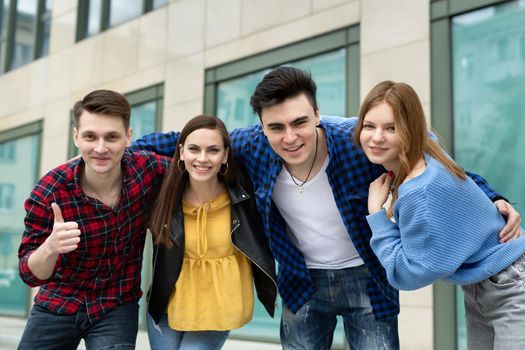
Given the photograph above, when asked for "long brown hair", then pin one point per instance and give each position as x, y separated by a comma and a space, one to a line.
410, 126
176, 179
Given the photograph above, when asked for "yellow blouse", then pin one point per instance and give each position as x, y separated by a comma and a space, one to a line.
214, 290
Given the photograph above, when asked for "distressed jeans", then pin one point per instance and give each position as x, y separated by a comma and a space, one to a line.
48, 331
162, 337
495, 310
337, 292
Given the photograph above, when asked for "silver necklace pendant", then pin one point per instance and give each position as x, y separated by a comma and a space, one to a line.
300, 188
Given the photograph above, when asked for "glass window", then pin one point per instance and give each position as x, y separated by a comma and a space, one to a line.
228, 95
94, 17
45, 23
24, 32
123, 10
144, 119
489, 108
17, 179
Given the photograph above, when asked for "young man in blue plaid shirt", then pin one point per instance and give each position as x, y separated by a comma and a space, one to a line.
311, 185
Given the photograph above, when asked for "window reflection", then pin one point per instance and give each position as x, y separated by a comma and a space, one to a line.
17, 178
489, 108
123, 10
24, 32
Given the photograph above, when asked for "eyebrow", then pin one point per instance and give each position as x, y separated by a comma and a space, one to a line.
295, 121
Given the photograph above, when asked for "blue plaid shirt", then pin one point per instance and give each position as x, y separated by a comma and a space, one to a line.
349, 174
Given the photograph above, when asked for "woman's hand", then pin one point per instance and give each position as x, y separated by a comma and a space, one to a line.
378, 192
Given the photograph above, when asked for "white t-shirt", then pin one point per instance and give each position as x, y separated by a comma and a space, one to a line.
314, 223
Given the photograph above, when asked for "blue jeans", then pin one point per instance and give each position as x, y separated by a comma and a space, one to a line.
495, 310
46, 330
162, 337
337, 292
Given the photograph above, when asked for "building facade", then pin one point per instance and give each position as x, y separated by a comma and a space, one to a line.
175, 59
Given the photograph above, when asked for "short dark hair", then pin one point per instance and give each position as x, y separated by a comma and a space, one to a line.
280, 84
105, 102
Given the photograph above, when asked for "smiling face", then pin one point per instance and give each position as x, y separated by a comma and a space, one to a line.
290, 127
102, 140
378, 136
203, 153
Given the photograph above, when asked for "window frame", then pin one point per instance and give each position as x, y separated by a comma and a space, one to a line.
9, 38
441, 14
343, 38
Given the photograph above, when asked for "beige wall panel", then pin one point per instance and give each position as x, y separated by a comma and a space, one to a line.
121, 50
87, 67
420, 298
185, 79
259, 15
38, 81
186, 27
63, 30
387, 24
407, 63
14, 97
415, 328
319, 5
223, 21
286, 33
137, 81
176, 116
57, 119
60, 81
19, 119
153, 39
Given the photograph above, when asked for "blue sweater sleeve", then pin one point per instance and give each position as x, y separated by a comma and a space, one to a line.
405, 270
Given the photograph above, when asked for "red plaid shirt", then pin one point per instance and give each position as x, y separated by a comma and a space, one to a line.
104, 271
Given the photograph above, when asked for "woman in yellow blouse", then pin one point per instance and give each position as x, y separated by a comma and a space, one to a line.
209, 249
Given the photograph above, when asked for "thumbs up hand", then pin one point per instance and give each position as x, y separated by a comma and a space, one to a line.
65, 236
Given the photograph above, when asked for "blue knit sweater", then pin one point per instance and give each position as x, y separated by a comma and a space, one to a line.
446, 228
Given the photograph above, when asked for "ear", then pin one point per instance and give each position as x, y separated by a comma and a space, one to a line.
129, 134
226, 153
317, 117
181, 153
75, 136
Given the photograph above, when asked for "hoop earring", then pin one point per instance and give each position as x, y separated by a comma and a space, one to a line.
225, 171
178, 166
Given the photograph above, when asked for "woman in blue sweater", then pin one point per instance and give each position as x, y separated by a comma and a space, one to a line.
438, 224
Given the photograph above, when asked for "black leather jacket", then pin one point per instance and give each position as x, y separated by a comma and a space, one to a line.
246, 234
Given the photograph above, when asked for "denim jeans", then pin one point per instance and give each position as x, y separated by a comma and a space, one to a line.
162, 337
46, 330
337, 292
495, 310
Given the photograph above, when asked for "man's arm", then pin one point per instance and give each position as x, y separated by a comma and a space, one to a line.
161, 143
37, 265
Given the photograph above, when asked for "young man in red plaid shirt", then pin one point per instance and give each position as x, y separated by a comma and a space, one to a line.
84, 234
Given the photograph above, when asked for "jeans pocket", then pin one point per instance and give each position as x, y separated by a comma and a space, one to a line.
509, 276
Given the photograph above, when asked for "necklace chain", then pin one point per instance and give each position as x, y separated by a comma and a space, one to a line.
300, 187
